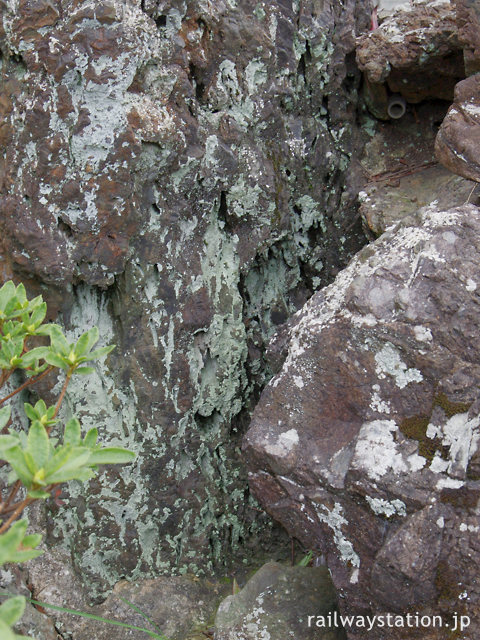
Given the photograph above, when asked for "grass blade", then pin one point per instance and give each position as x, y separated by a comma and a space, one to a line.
142, 613
91, 616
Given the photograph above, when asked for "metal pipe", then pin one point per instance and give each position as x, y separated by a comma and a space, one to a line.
396, 106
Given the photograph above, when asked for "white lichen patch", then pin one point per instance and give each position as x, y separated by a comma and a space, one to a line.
461, 435
298, 380
448, 483
387, 508
377, 453
471, 285
389, 363
335, 520
285, 443
422, 334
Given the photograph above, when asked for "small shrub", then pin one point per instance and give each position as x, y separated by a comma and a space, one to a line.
39, 462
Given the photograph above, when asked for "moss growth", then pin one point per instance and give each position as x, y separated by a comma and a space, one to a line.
450, 408
415, 428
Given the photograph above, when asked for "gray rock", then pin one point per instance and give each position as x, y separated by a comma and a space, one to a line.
468, 23
457, 140
175, 172
365, 445
402, 172
276, 604
415, 52
180, 607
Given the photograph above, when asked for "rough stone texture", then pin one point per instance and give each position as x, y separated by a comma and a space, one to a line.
33, 623
179, 606
468, 23
401, 171
458, 139
176, 173
365, 445
415, 52
275, 605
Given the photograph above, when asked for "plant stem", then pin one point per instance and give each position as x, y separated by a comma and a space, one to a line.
21, 506
61, 396
27, 383
11, 496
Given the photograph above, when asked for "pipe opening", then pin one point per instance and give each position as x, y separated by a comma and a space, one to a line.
396, 106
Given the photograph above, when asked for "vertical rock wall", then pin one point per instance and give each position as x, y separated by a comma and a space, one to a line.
179, 173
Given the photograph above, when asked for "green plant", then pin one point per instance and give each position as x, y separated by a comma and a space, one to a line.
39, 462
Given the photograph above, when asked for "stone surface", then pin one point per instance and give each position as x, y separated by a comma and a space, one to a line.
468, 23
414, 52
456, 145
34, 623
181, 175
180, 607
402, 173
276, 603
365, 445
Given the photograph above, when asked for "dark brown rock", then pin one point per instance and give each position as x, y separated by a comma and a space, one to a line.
468, 23
414, 52
176, 173
364, 444
456, 145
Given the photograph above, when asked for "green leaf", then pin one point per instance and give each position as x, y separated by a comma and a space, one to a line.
38, 444
99, 353
56, 360
65, 475
4, 416
86, 341
33, 355
30, 411
58, 340
38, 314
15, 458
5, 632
38, 494
12, 610
16, 547
111, 455
7, 442
7, 292
84, 371
31, 541
72, 432
90, 439
21, 294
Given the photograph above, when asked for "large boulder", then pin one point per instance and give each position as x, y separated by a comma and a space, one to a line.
281, 603
415, 52
365, 444
176, 173
458, 139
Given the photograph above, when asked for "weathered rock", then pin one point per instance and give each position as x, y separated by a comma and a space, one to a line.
365, 445
33, 623
175, 172
402, 173
178, 606
415, 52
276, 603
468, 23
456, 145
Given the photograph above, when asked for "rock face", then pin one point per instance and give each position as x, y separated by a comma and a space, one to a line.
365, 444
415, 52
468, 23
276, 604
456, 145
175, 172
402, 172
